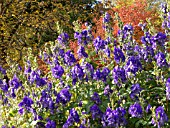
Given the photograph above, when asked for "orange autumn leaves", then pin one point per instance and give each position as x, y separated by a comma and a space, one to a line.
129, 13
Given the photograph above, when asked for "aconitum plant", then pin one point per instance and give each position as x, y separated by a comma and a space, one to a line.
113, 82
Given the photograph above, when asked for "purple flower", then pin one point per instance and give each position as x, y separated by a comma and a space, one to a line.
63, 38
99, 44
81, 52
104, 74
69, 58
73, 117
89, 69
118, 55
133, 65
161, 59
25, 103
35, 77
96, 98
164, 8
119, 75
4, 86
158, 40
136, 110
83, 37
114, 118
161, 117
96, 112
15, 83
107, 90
107, 51
40, 82
135, 89
82, 126
77, 73
106, 17
50, 124
97, 75
128, 27
63, 96
148, 108
147, 53
57, 71
168, 89
3, 71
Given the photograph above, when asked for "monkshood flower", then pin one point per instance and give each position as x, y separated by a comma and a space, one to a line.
161, 59
118, 55
82, 126
96, 112
129, 49
63, 38
133, 65
89, 69
164, 8
77, 73
114, 118
107, 90
69, 58
4, 86
107, 51
161, 117
135, 110
35, 77
61, 52
146, 39
96, 98
63, 96
25, 103
119, 75
158, 40
106, 17
148, 108
72, 118
57, 71
15, 82
135, 89
126, 33
128, 27
3, 71
147, 54
83, 37
99, 44
168, 89
50, 124
81, 52
97, 75
104, 74
40, 125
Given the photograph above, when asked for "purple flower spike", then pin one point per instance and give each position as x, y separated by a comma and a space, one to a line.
118, 55
63, 38
69, 58
57, 71
161, 117
81, 52
136, 110
96, 98
73, 117
168, 89
63, 96
119, 75
96, 112
161, 59
114, 118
